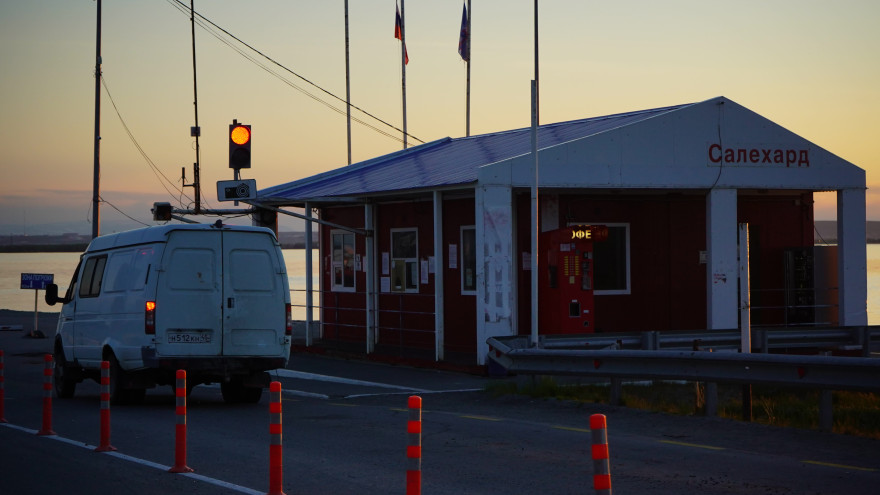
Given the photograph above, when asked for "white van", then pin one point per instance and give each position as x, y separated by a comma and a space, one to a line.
210, 299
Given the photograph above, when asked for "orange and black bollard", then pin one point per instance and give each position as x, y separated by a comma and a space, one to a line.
275, 447
105, 409
48, 385
414, 447
601, 466
180, 426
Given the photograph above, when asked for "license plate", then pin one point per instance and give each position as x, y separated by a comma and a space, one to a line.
189, 338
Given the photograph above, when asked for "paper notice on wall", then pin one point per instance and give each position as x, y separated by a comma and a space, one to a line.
385, 284
385, 264
453, 256
432, 265
424, 271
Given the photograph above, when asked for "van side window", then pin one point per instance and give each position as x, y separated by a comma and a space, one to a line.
93, 272
68, 296
118, 272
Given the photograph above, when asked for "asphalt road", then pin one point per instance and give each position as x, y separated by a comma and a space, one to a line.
345, 432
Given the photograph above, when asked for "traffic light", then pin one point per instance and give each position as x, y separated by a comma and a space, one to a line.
239, 145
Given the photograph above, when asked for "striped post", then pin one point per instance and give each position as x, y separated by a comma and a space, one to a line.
180, 427
414, 447
275, 447
2, 391
48, 385
601, 466
105, 409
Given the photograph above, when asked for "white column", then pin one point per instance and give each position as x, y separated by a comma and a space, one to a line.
496, 266
370, 276
852, 257
722, 266
438, 276
310, 299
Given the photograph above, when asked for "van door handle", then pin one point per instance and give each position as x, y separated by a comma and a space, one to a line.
230, 302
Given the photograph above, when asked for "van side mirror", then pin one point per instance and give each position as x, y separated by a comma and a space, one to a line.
51, 294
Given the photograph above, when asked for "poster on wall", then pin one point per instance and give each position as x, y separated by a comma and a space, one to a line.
453, 256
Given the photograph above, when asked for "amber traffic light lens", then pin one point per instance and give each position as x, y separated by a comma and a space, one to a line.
240, 135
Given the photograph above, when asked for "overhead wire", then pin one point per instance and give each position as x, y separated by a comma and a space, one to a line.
212, 29
158, 173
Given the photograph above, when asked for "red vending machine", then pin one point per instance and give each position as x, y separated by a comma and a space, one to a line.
565, 290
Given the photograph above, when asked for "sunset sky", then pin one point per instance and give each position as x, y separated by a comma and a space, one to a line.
810, 66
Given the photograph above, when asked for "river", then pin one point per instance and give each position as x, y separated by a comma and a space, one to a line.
12, 265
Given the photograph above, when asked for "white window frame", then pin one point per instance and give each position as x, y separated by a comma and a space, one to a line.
614, 292
340, 263
462, 260
409, 262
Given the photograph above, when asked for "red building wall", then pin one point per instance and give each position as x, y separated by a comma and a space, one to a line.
667, 234
405, 320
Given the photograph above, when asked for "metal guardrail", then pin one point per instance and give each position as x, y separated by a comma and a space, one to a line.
615, 361
863, 338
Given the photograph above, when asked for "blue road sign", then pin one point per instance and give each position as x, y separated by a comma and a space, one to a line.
37, 281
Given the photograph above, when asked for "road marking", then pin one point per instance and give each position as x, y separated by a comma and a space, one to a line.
481, 418
841, 466
142, 462
571, 428
685, 444
302, 375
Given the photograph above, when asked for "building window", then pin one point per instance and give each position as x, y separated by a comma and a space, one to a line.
404, 260
343, 261
468, 260
611, 261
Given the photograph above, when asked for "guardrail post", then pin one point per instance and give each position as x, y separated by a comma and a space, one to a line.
275, 447
2, 390
826, 411
48, 385
105, 409
180, 426
711, 399
601, 462
616, 391
414, 447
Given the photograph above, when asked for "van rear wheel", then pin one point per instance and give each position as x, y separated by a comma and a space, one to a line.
235, 392
119, 393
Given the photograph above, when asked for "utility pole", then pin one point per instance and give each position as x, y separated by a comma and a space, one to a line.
96, 182
195, 131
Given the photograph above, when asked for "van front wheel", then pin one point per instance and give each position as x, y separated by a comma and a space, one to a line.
65, 375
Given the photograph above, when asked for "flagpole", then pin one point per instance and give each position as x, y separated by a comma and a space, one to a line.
347, 87
403, 67
537, 85
469, 40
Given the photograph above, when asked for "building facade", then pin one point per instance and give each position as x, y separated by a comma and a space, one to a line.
427, 252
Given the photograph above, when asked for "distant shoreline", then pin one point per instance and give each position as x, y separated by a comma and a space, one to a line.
79, 248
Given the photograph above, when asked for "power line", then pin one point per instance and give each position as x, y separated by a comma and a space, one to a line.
158, 173
207, 25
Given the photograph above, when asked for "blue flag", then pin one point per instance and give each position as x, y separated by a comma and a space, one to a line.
464, 37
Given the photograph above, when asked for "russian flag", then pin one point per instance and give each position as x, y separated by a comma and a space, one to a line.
399, 34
